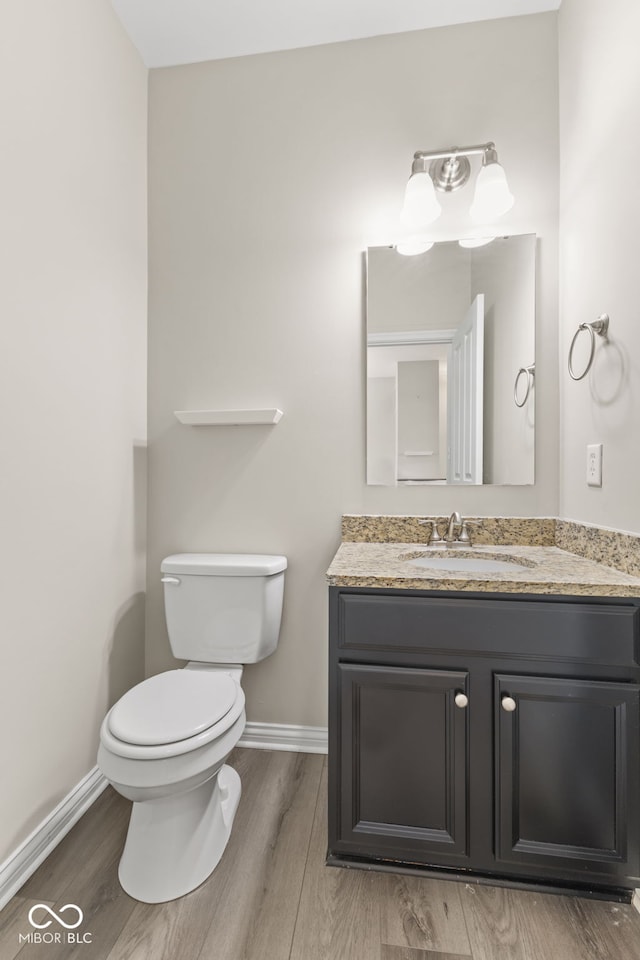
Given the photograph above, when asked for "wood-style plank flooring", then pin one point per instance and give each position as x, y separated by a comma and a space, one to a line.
273, 898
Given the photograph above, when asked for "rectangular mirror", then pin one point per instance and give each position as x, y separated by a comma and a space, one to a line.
451, 364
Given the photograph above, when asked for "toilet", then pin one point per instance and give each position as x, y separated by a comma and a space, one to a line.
163, 745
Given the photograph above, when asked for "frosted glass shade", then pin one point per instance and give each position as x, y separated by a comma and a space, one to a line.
492, 197
421, 206
411, 246
475, 240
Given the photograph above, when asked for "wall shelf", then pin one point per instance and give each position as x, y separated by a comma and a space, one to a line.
229, 418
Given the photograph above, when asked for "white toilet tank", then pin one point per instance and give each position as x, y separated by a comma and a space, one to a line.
223, 607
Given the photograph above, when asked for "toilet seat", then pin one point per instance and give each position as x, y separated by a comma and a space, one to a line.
172, 706
165, 750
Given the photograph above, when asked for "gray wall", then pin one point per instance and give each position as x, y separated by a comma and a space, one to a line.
72, 393
267, 174
599, 108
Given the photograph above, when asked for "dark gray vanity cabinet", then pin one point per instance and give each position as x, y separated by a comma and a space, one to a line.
486, 734
419, 805
567, 774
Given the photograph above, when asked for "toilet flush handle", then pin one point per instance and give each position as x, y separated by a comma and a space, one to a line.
175, 580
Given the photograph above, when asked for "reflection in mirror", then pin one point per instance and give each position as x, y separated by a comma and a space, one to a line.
448, 331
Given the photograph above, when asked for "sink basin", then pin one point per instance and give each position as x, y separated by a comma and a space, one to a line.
468, 564
458, 560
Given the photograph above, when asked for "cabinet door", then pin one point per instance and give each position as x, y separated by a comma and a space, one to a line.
403, 763
566, 774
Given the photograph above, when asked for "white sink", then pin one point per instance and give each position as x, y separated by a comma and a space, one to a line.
468, 564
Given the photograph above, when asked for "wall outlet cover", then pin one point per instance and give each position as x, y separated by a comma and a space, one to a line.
594, 465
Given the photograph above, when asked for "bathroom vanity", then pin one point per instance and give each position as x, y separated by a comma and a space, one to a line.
488, 726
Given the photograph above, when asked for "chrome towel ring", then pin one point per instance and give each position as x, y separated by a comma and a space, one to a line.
529, 372
599, 326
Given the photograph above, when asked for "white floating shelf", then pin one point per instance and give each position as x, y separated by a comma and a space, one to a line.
229, 418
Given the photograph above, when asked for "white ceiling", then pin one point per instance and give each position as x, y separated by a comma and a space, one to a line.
170, 32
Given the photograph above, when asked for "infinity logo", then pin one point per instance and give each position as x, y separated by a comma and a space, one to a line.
56, 916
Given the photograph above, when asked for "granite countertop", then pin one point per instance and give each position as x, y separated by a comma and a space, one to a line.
550, 570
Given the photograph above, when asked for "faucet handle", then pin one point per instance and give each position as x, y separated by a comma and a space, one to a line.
434, 536
463, 536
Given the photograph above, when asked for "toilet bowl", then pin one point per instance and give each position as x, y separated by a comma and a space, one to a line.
184, 797
163, 745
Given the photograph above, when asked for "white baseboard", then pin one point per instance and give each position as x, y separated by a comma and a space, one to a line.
284, 736
18, 867
635, 900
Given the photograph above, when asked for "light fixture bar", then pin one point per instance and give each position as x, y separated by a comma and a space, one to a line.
474, 151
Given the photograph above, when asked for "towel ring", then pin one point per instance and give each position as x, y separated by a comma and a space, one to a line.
529, 373
599, 326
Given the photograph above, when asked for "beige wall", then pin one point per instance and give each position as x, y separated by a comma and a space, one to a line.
266, 175
72, 392
600, 210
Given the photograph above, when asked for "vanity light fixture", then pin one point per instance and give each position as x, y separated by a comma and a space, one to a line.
448, 171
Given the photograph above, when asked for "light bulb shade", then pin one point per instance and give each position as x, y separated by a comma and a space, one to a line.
492, 197
421, 206
412, 246
475, 240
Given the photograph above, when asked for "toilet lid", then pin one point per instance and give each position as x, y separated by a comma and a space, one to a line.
172, 706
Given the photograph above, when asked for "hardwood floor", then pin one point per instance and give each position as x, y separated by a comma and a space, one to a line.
272, 897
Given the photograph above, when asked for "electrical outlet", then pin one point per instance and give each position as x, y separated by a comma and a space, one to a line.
594, 465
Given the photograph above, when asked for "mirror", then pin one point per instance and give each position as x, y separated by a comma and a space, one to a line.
451, 364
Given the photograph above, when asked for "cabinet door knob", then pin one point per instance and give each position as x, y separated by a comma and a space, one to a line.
508, 704
461, 700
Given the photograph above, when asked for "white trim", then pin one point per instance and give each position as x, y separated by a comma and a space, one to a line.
18, 867
635, 899
409, 337
285, 736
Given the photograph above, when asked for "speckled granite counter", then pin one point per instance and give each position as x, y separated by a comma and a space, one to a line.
550, 570
376, 528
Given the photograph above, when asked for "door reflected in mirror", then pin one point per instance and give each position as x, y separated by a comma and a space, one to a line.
449, 332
